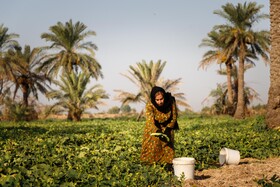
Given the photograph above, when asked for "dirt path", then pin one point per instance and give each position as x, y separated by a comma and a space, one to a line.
242, 175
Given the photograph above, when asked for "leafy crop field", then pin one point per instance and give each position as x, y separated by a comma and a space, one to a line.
105, 152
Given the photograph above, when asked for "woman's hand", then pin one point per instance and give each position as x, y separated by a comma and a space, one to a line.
161, 136
166, 130
158, 131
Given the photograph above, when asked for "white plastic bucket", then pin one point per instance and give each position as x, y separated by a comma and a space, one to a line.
229, 156
184, 166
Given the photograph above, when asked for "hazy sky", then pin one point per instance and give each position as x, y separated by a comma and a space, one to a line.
129, 31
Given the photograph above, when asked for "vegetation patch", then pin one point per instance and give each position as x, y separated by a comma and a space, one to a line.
105, 152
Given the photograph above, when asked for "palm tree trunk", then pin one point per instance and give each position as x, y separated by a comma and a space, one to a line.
229, 88
240, 112
140, 115
229, 85
76, 117
70, 115
25, 95
273, 105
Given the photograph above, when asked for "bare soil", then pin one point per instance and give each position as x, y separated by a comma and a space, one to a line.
245, 174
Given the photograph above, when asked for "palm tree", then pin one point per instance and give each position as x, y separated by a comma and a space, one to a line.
73, 97
220, 96
68, 51
218, 54
234, 76
146, 75
273, 105
241, 39
26, 78
7, 42
249, 93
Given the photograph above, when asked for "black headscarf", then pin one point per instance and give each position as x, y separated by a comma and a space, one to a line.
168, 99
167, 106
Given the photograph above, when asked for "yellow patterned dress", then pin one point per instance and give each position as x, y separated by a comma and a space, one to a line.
155, 149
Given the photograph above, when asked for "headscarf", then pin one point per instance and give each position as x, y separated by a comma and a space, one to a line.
168, 99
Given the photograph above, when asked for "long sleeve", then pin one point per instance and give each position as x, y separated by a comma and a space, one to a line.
150, 116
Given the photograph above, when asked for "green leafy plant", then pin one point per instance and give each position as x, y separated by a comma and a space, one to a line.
17, 111
274, 181
105, 152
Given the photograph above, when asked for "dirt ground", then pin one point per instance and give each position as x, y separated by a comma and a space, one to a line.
244, 174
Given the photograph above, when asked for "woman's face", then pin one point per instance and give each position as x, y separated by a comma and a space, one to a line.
159, 99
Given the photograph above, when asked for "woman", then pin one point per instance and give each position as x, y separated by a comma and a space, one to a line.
161, 117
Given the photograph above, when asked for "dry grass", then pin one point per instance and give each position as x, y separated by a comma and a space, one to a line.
245, 174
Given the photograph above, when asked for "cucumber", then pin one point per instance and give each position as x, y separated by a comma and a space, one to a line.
161, 135
156, 134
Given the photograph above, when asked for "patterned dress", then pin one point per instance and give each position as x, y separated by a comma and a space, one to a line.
155, 149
